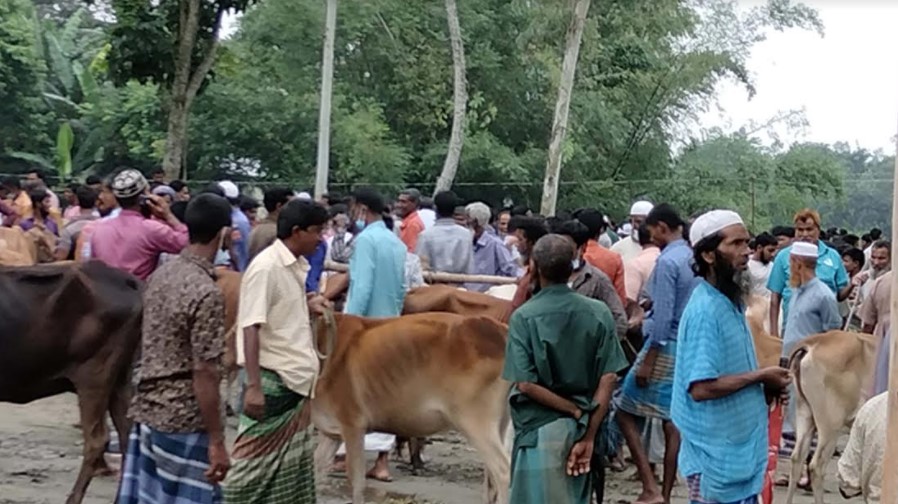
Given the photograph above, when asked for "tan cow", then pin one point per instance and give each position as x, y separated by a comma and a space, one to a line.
445, 298
413, 376
829, 371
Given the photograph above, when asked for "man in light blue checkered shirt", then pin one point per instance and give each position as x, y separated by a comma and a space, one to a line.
718, 399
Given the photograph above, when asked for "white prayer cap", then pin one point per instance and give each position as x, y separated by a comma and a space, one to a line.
230, 189
641, 208
710, 223
304, 196
625, 230
803, 249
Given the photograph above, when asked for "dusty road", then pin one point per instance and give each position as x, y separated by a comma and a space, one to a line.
40, 453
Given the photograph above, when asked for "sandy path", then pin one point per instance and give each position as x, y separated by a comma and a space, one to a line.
40, 454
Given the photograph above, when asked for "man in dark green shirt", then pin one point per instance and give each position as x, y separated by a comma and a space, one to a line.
563, 357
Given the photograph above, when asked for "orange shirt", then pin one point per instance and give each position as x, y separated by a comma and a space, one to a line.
610, 263
409, 229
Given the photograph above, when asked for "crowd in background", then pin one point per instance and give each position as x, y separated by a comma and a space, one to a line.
644, 271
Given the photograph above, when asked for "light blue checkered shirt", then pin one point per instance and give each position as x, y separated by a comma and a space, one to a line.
724, 440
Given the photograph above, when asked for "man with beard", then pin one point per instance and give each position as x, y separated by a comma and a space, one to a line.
646, 391
761, 262
718, 401
830, 269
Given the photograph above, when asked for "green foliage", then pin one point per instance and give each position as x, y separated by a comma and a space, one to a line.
24, 118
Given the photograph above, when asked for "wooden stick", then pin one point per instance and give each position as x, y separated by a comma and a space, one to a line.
889, 484
439, 277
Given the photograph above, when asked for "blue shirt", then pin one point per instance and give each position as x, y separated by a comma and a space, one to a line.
724, 440
241, 244
669, 287
830, 271
376, 273
491, 257
316, 267
813, 309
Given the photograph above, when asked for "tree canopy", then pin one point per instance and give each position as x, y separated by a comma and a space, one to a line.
647, 69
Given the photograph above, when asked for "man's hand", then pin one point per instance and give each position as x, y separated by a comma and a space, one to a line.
860, 278
219, 462
159, 207
254, 402
776, 378
319, 304
579, 458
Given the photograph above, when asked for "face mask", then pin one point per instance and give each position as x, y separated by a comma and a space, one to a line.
222, 258
576, 264
360, 224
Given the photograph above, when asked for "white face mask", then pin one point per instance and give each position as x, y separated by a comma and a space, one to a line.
576, 263
222, 258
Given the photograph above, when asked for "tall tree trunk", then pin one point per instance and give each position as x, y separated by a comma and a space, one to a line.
562, 106
186, 84
324, 113
460, 101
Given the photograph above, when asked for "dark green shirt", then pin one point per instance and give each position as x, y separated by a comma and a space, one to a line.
564, 342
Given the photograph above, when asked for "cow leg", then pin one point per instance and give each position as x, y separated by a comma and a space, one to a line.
93, 403
414, 453
354, 438
118, 410
486, 438
804, 434
324, 455
827, 436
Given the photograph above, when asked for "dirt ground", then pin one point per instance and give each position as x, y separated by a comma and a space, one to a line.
40, 453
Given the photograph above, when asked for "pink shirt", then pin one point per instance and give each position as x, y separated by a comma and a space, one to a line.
71, 212
133, 243
638, 270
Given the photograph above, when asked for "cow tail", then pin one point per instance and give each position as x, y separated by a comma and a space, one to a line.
795, 366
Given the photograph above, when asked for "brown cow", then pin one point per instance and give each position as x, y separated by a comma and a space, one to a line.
68, 327
445, 298
829, 372
413, 376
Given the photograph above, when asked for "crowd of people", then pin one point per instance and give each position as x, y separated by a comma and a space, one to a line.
638, 330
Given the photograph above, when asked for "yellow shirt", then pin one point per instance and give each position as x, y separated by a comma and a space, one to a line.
273, 295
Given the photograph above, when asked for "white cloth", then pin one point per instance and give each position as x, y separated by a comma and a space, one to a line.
860, 467
759, 273
804, 249
374, 442
641, 209
628, 249
428, 217
230, 189
711, 222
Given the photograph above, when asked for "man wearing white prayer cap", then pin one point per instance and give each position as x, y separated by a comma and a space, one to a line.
830, 270
629, 247
718, 401
813, 309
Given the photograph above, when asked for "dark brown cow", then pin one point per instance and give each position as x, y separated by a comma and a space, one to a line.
68, 327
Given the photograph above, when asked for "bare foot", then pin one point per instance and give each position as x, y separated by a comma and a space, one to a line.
379, 475
648, 498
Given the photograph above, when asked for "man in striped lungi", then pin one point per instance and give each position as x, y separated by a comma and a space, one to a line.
176, 451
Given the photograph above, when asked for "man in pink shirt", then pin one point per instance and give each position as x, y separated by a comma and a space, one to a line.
133, 241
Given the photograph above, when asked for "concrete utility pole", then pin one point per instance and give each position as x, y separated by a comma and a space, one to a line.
324, 112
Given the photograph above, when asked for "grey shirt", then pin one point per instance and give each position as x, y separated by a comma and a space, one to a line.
812, 310
447, 247
594, 283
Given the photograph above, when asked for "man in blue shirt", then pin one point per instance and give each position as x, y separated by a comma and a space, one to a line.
376, 288
646, 390
718, 400
241, 225
830, 269
491, 256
